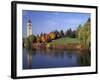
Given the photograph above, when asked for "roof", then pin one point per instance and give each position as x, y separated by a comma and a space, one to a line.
29, 21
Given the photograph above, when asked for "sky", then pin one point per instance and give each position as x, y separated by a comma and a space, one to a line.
46, 21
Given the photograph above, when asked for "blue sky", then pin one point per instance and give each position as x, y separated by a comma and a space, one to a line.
46, 21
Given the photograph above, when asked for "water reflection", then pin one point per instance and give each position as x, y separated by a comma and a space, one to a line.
33, 59
84, 59
29, 59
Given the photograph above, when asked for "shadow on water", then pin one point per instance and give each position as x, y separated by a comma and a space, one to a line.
35, 59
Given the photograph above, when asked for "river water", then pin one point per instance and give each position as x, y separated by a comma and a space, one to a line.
36, 59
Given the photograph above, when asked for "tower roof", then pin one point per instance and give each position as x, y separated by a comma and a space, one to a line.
29, 21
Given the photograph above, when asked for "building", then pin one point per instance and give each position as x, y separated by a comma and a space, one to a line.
29, 28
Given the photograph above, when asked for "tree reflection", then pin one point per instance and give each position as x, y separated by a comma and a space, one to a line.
84, 59
75, 58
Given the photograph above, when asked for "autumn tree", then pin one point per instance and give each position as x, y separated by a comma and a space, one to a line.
57, 34
47, 37
43, 39
38, 39
52, 35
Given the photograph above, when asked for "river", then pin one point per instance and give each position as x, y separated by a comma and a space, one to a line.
36, 59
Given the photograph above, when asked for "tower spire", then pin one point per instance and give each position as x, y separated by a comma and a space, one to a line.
29, 21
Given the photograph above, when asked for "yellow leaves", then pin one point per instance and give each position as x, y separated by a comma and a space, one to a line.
43, 39
52, 35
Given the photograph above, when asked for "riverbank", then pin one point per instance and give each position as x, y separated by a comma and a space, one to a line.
70, 46
65, 43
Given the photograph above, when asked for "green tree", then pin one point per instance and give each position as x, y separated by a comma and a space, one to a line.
77, 32
29, 41
61, 33
32, 38
74, 34
84, 33
69, 32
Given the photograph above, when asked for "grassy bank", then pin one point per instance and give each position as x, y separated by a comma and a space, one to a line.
65, 40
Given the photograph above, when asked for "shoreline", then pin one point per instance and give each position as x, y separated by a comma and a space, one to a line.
71, 46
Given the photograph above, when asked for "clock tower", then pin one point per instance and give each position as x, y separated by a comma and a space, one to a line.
29, 28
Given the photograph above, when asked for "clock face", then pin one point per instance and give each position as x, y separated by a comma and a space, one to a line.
30, 27
30, 24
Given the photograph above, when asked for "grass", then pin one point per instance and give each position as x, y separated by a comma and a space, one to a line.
65, 40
